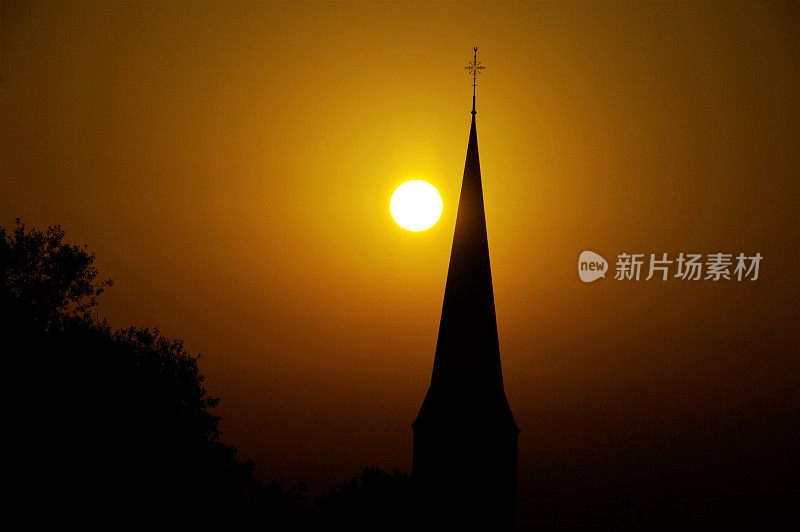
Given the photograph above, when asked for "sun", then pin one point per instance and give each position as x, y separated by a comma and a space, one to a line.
416, 205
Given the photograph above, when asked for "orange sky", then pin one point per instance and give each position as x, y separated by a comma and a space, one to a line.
231, 166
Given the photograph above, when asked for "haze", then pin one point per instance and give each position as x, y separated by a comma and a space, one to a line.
231, 166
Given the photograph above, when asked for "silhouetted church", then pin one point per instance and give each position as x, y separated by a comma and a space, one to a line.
465, 436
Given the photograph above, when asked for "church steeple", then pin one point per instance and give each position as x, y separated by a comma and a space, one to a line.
467, 351
465, 435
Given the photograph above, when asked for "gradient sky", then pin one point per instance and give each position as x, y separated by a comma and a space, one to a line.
231, 166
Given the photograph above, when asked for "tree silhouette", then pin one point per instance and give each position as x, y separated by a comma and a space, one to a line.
112, 424
51, 279
372, 500
116, 426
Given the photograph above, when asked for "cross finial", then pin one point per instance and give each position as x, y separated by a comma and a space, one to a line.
474, 68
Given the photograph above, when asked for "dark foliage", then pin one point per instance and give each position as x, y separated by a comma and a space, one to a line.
116, 427
50, 279
372, 496
113, 425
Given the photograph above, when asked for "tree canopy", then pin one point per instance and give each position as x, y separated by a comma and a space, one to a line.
117, 424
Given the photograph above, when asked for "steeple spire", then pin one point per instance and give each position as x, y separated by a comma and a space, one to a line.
474, 68
465, 436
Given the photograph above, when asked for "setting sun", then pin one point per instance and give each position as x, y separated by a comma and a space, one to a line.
416, 205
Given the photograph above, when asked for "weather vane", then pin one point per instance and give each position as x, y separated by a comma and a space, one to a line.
474, 68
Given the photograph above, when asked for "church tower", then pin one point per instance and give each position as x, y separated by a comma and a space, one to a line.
465, 436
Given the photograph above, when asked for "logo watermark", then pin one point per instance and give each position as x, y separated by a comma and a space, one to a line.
591, 266
686, 266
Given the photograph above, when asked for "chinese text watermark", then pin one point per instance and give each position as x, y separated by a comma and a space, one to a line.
661, 266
